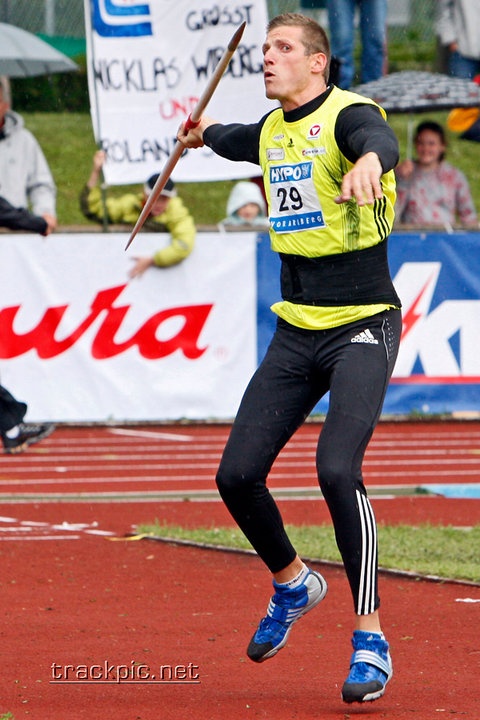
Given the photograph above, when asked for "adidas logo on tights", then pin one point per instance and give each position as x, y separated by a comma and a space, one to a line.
364, 337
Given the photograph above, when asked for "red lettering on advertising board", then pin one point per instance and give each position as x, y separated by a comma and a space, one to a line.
42, 338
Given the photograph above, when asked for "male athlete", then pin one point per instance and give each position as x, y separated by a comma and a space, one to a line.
327, 158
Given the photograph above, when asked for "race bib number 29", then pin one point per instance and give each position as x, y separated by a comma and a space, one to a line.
294, 203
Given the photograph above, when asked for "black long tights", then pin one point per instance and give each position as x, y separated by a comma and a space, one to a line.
300, 366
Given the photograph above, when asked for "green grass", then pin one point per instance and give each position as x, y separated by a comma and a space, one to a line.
68, 143
444, 552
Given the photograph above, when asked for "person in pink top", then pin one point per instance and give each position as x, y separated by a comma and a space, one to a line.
430, 191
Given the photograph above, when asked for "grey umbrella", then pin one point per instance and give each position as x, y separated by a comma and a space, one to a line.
412, 91
23, 54
416, 92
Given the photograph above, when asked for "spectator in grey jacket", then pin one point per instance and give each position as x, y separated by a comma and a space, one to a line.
25, 178
458, 29
15, 434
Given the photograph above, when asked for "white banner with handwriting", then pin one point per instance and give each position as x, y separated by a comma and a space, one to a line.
79, 341
149, 62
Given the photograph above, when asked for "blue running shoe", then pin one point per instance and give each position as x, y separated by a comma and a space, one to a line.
285, 608
370, 668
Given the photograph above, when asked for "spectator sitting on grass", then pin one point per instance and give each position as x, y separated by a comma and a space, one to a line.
16, 435
430, 191
25, 178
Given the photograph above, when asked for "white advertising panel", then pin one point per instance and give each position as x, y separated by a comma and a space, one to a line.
149, 62
79, 341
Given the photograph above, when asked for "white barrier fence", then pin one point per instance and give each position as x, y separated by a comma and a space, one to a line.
79, 341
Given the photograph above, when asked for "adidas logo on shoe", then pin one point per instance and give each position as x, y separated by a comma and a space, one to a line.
365, 337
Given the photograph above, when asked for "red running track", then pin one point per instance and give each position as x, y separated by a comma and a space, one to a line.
70, 606
77, 594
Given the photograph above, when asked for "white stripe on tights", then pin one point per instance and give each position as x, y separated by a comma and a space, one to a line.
366, 590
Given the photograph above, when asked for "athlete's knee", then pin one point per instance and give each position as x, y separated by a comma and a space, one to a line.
232, 480
334, 474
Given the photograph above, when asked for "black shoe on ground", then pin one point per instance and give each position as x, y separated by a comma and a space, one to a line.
29, 434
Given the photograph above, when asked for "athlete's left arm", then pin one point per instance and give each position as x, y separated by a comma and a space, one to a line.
361, 129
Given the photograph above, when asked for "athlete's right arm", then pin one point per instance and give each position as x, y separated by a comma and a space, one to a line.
235, 141
193, 137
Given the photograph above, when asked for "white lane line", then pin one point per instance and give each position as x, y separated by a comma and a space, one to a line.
145, 498
15, 529
386, 468
109, 455
41, 537
131, 476
158, 435
119, 463
102, 533
312, 490
35, 530
81, 452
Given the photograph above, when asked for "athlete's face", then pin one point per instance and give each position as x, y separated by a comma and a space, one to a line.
291, 76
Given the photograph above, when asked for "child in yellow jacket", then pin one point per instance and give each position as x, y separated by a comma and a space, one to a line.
168, 214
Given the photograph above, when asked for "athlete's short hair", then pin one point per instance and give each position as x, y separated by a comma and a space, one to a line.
314, 37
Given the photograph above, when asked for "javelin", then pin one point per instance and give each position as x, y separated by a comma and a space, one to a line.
192, 121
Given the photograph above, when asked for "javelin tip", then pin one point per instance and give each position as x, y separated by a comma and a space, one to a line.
236, 37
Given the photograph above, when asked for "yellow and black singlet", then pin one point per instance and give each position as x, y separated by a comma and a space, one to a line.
334, 257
